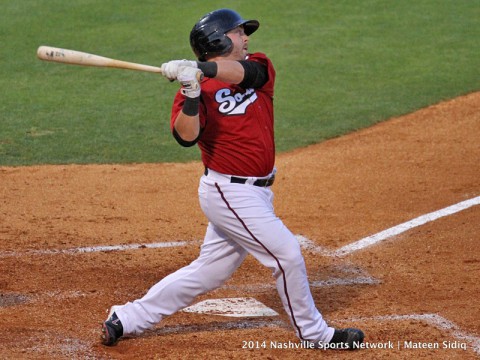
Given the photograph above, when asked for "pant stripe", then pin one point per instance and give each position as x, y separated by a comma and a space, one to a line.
270, 253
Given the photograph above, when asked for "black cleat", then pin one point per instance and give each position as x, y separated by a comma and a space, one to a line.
112, 330
348, 339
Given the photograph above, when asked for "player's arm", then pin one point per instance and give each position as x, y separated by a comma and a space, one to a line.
186, 127
247, 74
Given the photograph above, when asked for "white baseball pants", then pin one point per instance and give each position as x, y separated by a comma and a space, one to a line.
241, 221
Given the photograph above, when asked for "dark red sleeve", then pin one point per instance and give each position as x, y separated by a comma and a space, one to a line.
263, 59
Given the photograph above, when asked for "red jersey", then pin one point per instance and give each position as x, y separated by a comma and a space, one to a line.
237, 136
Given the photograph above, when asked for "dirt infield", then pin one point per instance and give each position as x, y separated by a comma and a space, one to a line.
415, 294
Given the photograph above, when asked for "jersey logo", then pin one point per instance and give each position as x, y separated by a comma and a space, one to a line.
234, 104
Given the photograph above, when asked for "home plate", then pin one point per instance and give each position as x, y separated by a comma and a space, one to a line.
233, 307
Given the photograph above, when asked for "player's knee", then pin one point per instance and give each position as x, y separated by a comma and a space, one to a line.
295, 260
288, 261
291, 254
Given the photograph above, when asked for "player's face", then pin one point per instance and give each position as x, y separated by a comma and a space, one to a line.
240, 43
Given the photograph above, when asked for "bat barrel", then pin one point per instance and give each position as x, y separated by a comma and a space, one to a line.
65, 56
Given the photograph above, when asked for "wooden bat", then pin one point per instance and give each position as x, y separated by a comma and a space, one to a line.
74, 57
65, 56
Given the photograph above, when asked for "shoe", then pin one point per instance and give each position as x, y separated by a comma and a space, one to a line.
112, 330
348, 339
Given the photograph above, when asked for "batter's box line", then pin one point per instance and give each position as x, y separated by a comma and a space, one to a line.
388, 233
304, 242
434, 320
406, 226
102, 248
126, 247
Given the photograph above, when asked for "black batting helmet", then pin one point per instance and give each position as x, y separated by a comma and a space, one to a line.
208, 38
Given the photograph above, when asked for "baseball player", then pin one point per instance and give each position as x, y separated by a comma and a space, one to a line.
229, 115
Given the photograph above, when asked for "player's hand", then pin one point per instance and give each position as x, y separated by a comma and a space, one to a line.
189, 78
172, 68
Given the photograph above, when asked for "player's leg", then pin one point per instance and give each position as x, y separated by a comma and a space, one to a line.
278, 249
245, 213
219, 258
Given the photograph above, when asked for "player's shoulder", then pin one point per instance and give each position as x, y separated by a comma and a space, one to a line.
262, 59
258, 56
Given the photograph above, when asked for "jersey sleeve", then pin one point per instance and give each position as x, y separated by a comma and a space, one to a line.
263, 59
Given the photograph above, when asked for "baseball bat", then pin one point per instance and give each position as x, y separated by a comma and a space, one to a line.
65, 56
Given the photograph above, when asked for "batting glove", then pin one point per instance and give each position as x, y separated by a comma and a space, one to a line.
172, 68
189, 78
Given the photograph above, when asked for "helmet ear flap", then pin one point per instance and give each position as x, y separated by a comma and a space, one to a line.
220, 46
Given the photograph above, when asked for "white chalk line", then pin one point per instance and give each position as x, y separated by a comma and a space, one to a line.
396, 230
360, 280
11, 299
330, 282
93, 249
434, 320
216, 326
105, 248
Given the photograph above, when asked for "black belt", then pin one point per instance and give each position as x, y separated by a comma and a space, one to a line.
260, 182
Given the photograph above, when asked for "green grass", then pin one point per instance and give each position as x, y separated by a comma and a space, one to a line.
341, 66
